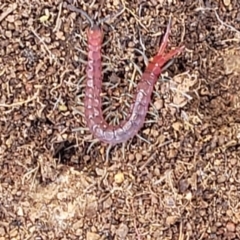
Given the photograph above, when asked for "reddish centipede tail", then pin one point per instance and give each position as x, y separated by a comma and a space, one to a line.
162, 58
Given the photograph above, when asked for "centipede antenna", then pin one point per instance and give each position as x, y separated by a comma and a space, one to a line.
113, 16
74, 9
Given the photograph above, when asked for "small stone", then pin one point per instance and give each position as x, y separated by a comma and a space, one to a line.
154, 132
92, 236
44, 18
20, 211
107, 203
146, 131
86, 158
131, 44
188, 196
158, 104
60, 35
8, 34
177, 126
138, 157
230, 227
122, 231
2, 231
131, 157
183, 185
99, 171
221, 179
172, 153
157, 172
119, 178
10, 18
29, 87
62, 108
217, 162
116, 2
170, 220
226, 2
233, 161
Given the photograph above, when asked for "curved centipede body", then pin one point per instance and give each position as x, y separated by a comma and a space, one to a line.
138, 110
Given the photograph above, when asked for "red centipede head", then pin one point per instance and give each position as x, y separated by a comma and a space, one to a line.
95, 35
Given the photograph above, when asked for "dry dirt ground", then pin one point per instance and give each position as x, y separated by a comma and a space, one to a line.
178, 179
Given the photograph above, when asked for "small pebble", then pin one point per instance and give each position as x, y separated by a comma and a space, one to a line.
226, 2
92, 236
230, 227
122, 231
138, 157
119, 178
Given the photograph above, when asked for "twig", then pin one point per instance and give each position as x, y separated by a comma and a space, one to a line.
58, 21
143, 139
20, 102
153, 156
218, 18
132, 79
225, 24
52, 56
135, 223
134, 15
9, 10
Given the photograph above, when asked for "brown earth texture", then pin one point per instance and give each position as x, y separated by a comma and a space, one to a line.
179, 178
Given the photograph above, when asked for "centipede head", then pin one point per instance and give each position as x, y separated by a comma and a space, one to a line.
95, 35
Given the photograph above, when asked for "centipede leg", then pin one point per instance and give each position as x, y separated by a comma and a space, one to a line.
91, 145
173, 52
143, 139
162, 59
167, 65
108, 152
168, 58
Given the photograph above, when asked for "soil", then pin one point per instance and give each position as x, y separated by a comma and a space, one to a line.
179, 178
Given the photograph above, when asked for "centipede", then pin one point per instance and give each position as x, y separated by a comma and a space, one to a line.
93, 113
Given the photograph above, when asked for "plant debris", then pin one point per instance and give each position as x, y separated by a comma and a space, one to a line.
177, 179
